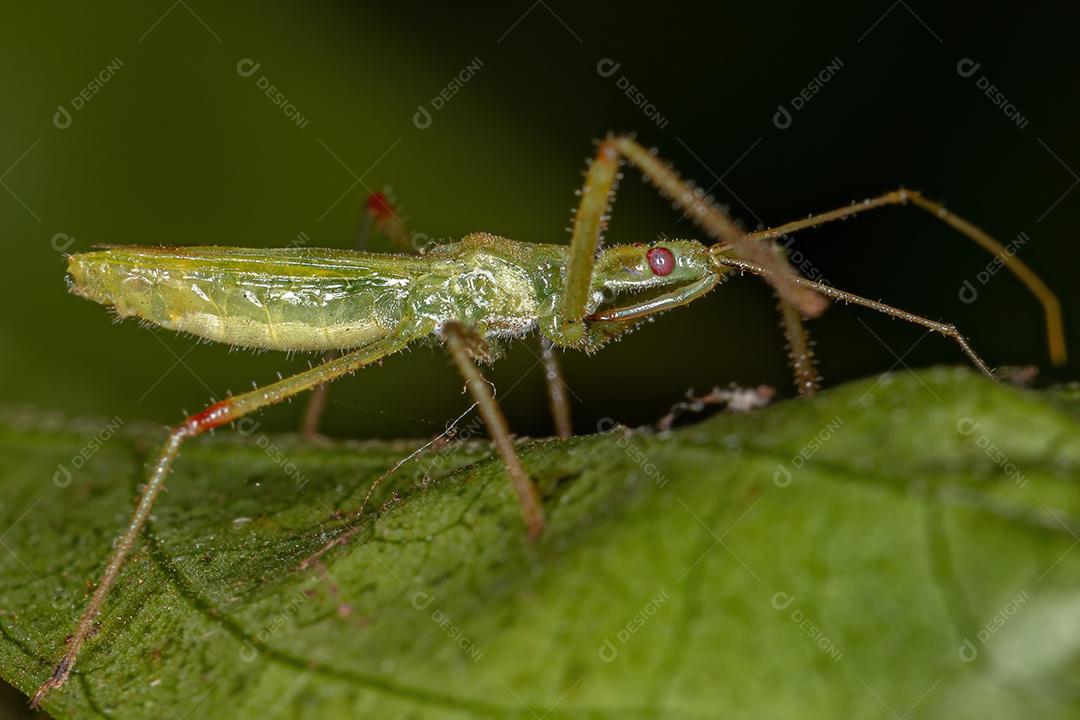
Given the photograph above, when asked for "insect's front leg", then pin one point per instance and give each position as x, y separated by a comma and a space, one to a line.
701, 209
591, 219
459, 341
800, 352
796, 299
221, 413
799, 346
946, 329
1055, 329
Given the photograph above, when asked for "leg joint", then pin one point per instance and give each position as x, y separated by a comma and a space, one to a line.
218, 414
948, 329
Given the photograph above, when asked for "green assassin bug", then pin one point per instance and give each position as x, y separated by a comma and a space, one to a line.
470, 295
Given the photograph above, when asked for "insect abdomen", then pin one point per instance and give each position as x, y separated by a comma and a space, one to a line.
302, 309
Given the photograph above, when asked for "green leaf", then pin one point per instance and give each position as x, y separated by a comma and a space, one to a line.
898, 547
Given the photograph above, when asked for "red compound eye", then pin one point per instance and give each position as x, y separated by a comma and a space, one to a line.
661, 261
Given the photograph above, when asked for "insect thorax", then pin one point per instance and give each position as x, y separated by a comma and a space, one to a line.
487, 283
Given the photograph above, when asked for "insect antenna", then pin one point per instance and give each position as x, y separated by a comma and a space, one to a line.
946, 329
1055, 330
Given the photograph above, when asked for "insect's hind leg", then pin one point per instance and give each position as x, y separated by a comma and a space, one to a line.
313, 412
191, 427
458, 340
220, 413
1055, 330
939, 327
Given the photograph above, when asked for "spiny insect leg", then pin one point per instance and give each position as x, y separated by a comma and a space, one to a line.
829, 291
1055, 330
218, 414
556, 387
707, 214
594, 207
316, 406
457, 339
192, 426
592, 216
589, 223
800, 353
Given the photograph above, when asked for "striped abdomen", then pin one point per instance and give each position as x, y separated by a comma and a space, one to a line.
279, 299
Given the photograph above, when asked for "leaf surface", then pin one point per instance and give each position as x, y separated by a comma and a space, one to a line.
899, 546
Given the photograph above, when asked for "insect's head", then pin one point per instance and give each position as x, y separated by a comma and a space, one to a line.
633, 281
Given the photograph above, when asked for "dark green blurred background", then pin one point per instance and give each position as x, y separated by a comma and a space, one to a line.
177, 147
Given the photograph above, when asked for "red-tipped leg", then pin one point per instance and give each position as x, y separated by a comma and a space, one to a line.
214, 416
